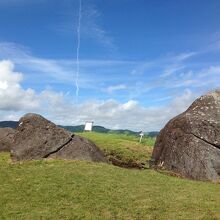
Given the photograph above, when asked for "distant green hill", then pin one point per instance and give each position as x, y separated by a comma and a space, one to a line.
99, 129
9, 124
80, 128
152, 133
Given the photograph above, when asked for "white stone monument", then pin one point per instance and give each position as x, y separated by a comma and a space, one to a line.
88, 126
141, 136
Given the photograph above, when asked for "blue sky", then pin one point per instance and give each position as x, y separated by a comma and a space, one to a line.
141, 62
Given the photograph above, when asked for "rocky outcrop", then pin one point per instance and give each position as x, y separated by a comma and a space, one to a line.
190, 143
38, 138
6, 139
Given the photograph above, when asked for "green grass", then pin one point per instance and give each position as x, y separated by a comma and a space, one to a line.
59, 189
55, 189
125, 148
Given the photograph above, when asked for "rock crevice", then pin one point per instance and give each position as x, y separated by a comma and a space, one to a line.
59, 148
202, 139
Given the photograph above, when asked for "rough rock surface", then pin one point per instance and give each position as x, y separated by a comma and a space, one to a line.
6, 138
190, 143
38, 138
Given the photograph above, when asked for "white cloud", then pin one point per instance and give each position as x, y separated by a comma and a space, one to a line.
168, 72
171, 70
128, 115
130, 105
58, 107
114, 88
15, 101
179, 104
212, 70
205, 78
3, 85
184, 56
61, 71
91, 26
12, 95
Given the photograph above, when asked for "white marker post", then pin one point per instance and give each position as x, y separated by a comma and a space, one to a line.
88, 126
141, 136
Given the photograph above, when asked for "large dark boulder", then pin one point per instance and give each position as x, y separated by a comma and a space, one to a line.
190, 143
38, 138
6, 139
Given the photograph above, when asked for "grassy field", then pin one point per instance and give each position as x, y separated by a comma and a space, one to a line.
124, 148
58, 189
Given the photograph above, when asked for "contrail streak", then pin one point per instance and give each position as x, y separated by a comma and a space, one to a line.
78, 49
